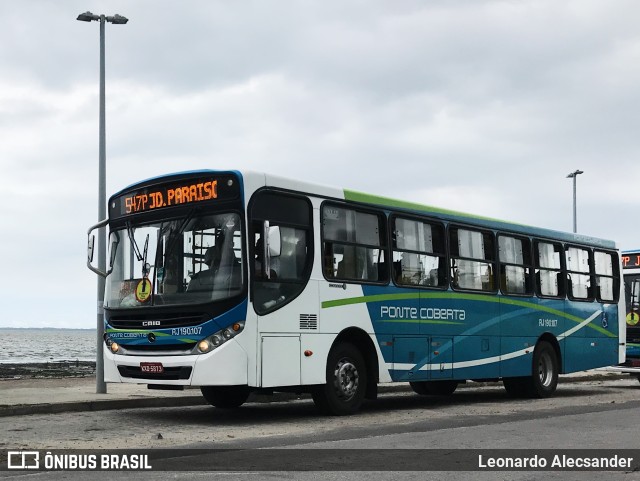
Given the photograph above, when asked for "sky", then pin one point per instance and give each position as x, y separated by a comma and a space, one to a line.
477, 106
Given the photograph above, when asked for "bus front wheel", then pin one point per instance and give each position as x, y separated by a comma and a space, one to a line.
346, 382
225, 397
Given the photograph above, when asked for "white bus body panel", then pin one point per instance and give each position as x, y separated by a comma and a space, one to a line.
280, 360
288, 323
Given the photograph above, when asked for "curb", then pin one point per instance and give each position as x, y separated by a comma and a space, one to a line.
198, 400
101, 405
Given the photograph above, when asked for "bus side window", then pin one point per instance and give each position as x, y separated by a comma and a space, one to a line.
579, 285
607, 276
354, 245
419, 256
515, 265
548, 265
472, 259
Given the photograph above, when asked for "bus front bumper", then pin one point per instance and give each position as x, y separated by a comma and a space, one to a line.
224, 366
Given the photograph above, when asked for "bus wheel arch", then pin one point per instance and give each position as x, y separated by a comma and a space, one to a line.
545, 368
551, 339
362, 341
546, 365
349, 374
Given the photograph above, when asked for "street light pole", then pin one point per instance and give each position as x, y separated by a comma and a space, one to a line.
573, 175
101, 386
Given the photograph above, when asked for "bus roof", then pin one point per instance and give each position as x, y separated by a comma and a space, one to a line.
400, 205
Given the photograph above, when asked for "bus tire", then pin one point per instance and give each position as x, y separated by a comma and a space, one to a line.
545, 370
434, 388
225, 397
346, 385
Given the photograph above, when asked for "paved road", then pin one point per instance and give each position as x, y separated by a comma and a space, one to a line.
597, 415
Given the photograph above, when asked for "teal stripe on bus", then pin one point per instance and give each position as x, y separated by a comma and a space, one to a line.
455, 296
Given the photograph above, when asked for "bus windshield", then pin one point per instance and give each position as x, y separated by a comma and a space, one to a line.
188, 260
632, 294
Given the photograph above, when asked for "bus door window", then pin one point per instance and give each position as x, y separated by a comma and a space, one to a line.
281, 230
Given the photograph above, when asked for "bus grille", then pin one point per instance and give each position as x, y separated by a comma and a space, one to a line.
169, 374
171, 349
309, 321
157, 322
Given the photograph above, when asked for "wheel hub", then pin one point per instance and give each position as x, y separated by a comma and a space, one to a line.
346, 379
545, 369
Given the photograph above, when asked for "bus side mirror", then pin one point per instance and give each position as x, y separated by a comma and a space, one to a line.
91, 249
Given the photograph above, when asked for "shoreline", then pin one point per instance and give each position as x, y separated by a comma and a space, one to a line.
47, 370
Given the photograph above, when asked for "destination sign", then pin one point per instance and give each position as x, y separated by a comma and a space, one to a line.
630, 260
188, 191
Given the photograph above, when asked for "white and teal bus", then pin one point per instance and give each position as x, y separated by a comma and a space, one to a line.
238, 282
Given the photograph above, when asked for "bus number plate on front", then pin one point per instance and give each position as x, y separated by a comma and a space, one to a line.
152, 367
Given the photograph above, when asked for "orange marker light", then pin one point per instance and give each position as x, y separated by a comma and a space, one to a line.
308, 353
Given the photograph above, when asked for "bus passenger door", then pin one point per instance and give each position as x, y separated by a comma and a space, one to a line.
282, 295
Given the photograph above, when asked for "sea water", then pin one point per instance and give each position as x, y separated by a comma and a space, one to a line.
46, 345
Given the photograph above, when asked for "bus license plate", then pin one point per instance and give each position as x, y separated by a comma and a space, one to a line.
152, 367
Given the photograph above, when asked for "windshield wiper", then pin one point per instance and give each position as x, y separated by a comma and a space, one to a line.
136, 250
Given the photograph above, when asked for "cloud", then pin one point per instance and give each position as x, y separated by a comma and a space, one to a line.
481, 107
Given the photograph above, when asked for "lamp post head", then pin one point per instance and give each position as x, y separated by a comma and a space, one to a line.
88, 17
117, 19
574, 174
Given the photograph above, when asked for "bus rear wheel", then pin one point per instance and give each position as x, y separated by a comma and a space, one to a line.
434, 388
225, 397
544, 376
344, 391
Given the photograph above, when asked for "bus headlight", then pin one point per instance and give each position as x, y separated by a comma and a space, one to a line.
219, 338
114, 347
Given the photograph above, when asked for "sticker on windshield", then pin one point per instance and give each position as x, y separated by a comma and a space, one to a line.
143, 290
